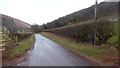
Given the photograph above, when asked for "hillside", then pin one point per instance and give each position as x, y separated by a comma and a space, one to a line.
104, 9
14, 25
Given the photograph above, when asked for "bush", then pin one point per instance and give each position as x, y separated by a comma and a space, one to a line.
19, 36
23, 36
84, 32
105, 31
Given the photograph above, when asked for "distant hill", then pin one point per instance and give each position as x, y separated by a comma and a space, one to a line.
104, 9
14, 25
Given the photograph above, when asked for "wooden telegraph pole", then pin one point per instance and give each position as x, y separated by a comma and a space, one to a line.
94, 25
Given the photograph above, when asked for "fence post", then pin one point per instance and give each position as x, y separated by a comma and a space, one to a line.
3, 41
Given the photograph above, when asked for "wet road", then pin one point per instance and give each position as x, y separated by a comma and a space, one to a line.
49, 53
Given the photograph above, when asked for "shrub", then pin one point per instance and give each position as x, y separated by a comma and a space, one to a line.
84, 32
105, 31
19, 36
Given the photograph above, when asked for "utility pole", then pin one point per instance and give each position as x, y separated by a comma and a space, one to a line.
94, 25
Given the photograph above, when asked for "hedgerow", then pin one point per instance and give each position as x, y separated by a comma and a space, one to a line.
84, 32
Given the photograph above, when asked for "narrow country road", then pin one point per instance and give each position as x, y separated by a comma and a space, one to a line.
49, 53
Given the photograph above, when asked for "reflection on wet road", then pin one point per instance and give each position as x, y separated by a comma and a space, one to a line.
49, 53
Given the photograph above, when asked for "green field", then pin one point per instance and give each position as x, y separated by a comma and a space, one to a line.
100, 19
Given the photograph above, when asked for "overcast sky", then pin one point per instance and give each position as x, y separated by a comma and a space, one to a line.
42, 11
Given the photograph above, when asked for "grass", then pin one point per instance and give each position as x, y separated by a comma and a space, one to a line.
114, 39
100, 18
115, 25
85, 48
20, 49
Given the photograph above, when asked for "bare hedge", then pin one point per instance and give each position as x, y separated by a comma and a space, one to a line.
84, 32
20, 36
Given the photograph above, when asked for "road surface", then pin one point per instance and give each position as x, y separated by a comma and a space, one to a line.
49, 53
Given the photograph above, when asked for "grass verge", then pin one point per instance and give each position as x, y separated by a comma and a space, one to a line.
18, 50
101, 53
